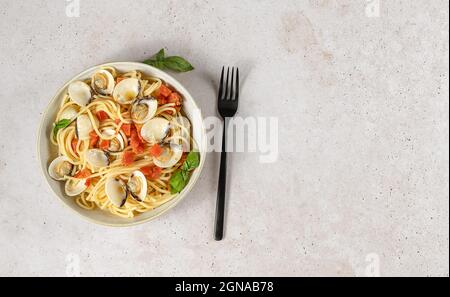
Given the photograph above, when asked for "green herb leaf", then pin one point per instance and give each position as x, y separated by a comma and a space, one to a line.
181, 177
192, 161
60, 125
178, 181
154, 63
160, 55
174, 63
178, 64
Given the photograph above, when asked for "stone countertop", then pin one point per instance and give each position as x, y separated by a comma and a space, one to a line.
360, 92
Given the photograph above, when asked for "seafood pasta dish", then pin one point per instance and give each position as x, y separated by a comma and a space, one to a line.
124, 145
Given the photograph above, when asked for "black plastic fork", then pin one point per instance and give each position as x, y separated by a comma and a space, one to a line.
227, 105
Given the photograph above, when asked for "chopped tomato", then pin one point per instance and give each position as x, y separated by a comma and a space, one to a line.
151, 172
104, 144
139, 149
164, 91
175, 98
138, 130
156, 173
74, 144
156, 150
162, 100
88, 182
147, 170
93, 139
119, 79
102, 115
128, 158
126, 128
117, 121
136, 144
83, 173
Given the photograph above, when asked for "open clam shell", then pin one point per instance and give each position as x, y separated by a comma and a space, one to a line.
117, 144
102, 82
143, 110
127, 90
83, 127
171, 154
137, 186
75, 187
155, 130
60, 167
116, 191
80, 93
97, 158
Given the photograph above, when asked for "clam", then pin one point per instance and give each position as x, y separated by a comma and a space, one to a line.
97, 158
143, 110
116, 191
84, 127
127, 90
68, 113
103, 82
60, 167
170, 156
137, 186
80, 93
155, 130
117, 144
75, 187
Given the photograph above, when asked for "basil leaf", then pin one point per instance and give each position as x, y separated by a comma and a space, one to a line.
155, 63
180, 178
157, 60
192, 161
160, 55
60, 125
178, 64
178, 181
175, 63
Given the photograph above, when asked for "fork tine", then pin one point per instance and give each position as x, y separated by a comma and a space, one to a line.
226, 85
236, 97
221, 84
232, 84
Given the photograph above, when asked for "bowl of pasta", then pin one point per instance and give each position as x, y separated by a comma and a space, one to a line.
121, 143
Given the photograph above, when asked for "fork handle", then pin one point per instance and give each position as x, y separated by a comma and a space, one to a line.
220, 206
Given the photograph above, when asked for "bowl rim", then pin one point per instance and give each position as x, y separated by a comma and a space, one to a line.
185, 191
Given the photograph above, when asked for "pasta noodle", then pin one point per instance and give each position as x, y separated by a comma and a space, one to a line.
111, 119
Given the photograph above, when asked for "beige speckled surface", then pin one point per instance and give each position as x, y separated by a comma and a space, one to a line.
362, 104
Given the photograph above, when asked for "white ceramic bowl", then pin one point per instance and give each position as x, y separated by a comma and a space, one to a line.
47, 152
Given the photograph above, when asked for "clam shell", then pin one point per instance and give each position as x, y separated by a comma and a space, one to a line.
127, 90
116, 191
155, 130
54, 169
103, 82
80, 93
75, 187
147, 106
170, 156
137, 186
97, 158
